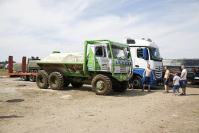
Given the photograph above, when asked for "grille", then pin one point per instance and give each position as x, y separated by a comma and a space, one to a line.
158, 72
122, 69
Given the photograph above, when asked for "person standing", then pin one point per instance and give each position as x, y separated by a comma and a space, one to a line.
176, 83
166, 79
183, 80
147, 77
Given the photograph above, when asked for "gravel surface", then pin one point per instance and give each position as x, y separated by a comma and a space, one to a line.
24, 108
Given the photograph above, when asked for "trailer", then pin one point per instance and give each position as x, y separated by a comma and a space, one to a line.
26, 70
192, 66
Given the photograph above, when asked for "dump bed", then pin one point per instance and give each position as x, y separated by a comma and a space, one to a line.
63, 58
71, 64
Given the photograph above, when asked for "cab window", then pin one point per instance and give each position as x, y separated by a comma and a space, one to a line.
100, 51
140, 53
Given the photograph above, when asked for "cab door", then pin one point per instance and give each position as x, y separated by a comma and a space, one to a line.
97, 58
141, 58
101, 60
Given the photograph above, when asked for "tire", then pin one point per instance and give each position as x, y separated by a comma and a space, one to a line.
32, 78
119, 86
56, 81
137, 82
24, 78
130, 85
101, 84
42, 79
76, 85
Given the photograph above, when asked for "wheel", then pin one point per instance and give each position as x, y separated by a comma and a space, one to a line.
42, 79
32, 78
56, 81
76, 85
24, 78
119, 86
130, 85
137, 82
101, 84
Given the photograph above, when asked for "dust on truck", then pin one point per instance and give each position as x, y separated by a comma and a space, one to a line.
104, 64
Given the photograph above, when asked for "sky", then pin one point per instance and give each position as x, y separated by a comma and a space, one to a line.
38, 27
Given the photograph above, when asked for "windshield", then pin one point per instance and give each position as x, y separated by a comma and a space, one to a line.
155, 54
119, 52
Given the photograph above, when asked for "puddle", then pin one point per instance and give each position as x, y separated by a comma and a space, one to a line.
15, 100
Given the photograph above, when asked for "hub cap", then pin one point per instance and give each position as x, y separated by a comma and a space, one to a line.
100, 85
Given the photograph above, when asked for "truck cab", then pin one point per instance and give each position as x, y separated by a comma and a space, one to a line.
104, 56
143, 52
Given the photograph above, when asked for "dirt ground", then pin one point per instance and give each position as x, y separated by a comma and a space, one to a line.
3, 72
26, 109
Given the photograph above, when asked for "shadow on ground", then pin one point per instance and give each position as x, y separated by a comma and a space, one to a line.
132, 92
193, 86
83, 88
10, 116
15, 100
127, 93
192, 94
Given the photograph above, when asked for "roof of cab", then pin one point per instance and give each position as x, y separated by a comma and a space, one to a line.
107, 41
143, 43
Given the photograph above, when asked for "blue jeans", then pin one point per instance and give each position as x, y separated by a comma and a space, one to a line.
146, 80
176, 87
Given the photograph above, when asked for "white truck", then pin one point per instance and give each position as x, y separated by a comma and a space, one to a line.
145, 51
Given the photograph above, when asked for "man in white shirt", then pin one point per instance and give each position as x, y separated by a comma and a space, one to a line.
183, 80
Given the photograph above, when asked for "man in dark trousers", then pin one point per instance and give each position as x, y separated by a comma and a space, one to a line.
183, 80
147, 77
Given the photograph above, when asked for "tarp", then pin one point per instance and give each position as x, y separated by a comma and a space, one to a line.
63, 58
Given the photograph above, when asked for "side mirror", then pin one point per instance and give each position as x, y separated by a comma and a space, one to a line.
145, 54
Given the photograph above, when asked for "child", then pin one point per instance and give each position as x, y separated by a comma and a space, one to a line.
176, 83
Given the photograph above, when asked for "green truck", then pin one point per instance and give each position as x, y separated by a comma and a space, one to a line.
105, 64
